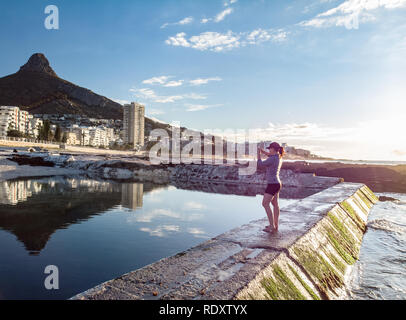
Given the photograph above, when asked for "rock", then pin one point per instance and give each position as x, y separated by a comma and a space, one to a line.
385, 198
38, 63
24, 160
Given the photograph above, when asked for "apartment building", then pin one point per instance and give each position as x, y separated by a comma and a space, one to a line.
12, 118
134, 124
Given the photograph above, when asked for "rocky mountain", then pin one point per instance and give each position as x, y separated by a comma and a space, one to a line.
38, 89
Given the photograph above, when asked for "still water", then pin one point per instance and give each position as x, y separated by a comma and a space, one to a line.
94, 231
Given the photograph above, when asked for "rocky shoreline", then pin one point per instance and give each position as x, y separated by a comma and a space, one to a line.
130, 168
380, 178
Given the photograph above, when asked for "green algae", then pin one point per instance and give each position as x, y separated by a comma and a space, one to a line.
370, 194
304, 284
281, 288
318, 267
365, 198
345, 250
340, 226
358, 221
337, 263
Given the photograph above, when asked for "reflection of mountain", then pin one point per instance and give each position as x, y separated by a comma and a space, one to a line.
34, 209
57, 205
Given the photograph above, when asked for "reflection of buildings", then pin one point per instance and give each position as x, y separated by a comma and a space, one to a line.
132, 194
13, 192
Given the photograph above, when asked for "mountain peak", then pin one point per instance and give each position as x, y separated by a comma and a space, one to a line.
38, 63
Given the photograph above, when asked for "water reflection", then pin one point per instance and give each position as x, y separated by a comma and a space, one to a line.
34, 209
132, 195
95, 230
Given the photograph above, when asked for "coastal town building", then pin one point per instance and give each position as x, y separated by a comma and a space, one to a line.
91, 136
13, 118
35, 126
134, 124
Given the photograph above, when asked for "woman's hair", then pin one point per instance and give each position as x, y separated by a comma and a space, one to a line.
279, 149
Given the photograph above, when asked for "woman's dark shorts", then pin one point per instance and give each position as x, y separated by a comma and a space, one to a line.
273, 188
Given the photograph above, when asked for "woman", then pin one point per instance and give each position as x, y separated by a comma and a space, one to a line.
273, 165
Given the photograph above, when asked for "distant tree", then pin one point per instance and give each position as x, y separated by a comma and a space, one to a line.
65, 137
58, 134
45, 131
15, 134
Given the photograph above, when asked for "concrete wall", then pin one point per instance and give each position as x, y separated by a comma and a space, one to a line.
9, 143
319, 238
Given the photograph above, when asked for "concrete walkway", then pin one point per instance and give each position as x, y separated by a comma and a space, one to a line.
319, 238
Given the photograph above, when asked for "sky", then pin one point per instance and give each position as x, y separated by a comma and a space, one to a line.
324, 75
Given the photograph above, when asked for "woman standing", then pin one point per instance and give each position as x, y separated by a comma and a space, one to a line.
273, 165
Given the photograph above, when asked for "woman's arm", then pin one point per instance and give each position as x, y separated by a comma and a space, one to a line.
265, 152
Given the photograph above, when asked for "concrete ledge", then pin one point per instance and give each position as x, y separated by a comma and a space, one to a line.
319, 237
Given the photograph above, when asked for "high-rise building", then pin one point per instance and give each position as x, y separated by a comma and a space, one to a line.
134, 124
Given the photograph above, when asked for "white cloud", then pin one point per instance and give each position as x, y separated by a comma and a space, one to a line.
213, 41
195, 231
177, 83
194, 96
148, 216
193, 205
200, 81
168, 99
261, 35
122, 102
178, 40
157, 80
182, 22
217, 42
155, 112
200, 107
186, 20
351, 13
227, 3
144, 93
220, 16
163, 80
149, 94
223, 14
161, 231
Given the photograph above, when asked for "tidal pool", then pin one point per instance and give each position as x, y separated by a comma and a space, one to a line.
94, 231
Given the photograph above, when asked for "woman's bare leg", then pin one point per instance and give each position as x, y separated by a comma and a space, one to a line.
276, 211
266, 201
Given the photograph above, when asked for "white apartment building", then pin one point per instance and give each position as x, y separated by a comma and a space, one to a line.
91, 136
12, 118
9, 117
134, 123
35, 126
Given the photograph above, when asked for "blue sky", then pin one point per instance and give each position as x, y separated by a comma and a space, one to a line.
327, 75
